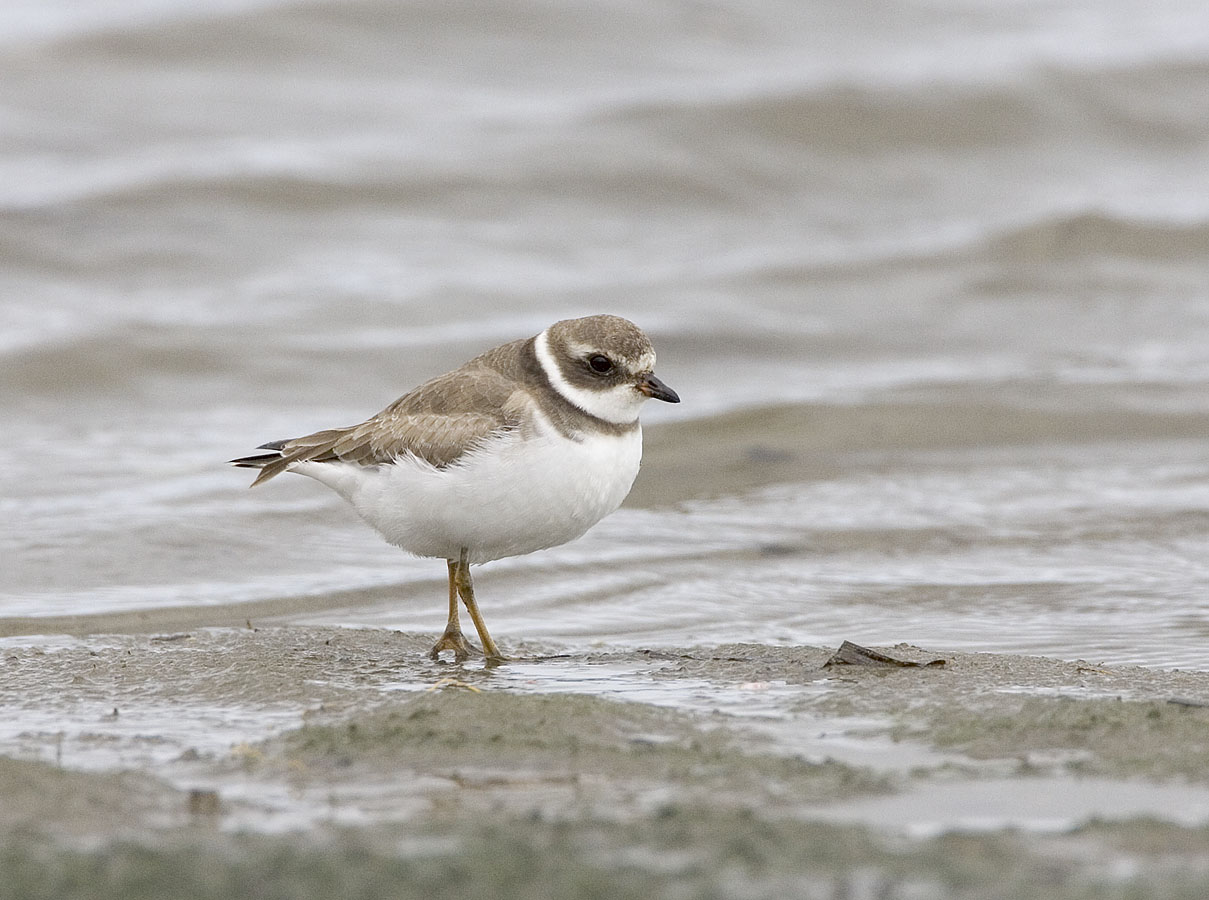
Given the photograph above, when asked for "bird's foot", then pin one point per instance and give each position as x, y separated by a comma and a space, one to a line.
454, 640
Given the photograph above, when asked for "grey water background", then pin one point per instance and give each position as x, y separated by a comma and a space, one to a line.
228, 222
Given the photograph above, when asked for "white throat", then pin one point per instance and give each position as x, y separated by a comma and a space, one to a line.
619, 404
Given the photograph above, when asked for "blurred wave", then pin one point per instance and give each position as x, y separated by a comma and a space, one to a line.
863, 237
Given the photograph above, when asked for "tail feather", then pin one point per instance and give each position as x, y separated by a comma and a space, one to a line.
269, 464
317, 446
254, 462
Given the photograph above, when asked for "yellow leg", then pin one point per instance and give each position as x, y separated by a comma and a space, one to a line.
466, 588
453, 639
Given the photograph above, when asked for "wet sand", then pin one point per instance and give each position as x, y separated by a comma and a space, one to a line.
228, 750
300, 761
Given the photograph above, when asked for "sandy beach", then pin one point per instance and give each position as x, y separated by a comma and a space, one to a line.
297, 761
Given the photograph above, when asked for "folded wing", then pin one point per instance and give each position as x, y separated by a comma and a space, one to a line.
438, 422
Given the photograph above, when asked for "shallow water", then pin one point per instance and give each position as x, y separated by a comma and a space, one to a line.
963, 243
1074, 557
200, 712
1051, 804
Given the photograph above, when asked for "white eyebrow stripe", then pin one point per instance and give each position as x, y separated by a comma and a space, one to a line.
618, 405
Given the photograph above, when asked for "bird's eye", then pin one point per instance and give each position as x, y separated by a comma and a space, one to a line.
600, 364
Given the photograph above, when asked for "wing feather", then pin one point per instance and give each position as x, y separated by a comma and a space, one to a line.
437, 422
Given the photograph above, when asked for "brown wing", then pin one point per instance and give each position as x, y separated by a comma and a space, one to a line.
438, 422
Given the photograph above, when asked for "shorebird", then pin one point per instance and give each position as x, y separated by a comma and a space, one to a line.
525, 447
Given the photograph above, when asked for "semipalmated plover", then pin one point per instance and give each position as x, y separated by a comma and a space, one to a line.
524, 447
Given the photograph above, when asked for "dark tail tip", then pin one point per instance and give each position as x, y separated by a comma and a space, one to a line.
254, 462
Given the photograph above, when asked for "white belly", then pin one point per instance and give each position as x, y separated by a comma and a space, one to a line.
512, 496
